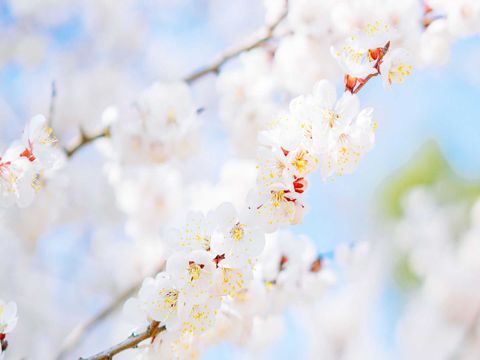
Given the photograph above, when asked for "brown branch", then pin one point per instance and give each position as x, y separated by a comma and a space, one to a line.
364, 81
86, 139
152, 330
260, 37
75, 337
77, 334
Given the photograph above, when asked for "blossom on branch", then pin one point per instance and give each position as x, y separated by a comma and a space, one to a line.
8, 321
26, 161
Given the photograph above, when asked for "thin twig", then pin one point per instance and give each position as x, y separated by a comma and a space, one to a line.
364, 81
260, 37
51, 109
75, 337
77, 334
152, 330
86, 139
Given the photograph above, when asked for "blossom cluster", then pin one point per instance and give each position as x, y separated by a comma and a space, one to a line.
418, 33
149, 141
213, 268
214, 259
319, 132
367, 54
210, 291
8, 321
26, 161
163, 124
323, 131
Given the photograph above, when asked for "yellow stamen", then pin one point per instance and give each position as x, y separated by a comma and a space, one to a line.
194, 271
331, 117
237, 232
171, 117
300, 162
278, 197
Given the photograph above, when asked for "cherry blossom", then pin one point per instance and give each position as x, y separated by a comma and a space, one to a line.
159, 299
8, 321
396, 66
197, 234
24, 163
163, 125
362, 52
39, 141
17, 179
237, 238
347, 145
196, 270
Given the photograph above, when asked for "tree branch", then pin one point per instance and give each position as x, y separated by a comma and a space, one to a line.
85, 140
76, 336
260, 37
152, 330
363, 82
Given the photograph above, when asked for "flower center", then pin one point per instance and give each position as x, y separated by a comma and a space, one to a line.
307, 128
170, 298
48, 138
204, 241
8, 176
330, 117
278, 197
171, 117
300, 163
353, 54
194, 270
343, 138
237, 232
399, 73
198, 315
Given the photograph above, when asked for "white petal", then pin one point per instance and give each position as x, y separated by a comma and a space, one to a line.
133, 312
347, 107
325, 94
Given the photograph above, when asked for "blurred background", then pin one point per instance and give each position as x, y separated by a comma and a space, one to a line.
418, 185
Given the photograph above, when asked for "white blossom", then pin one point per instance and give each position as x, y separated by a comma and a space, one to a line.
236, 237
8, 316
196, 270
25, 162
163, 125
361, 52
396, 66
